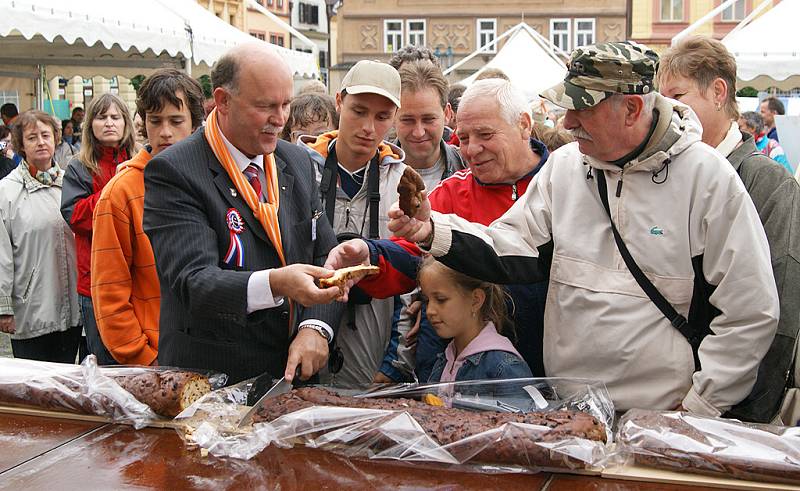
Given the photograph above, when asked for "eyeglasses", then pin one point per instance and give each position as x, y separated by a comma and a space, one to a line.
294, 135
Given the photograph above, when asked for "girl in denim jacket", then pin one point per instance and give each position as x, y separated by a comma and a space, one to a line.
472, 313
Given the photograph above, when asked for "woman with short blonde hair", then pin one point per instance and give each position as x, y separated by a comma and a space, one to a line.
701, 73
38, 272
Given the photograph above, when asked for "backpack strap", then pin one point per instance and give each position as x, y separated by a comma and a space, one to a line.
374, 193
678, 321
327, 185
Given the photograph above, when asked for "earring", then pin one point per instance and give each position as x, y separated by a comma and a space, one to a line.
474, 314
719, 106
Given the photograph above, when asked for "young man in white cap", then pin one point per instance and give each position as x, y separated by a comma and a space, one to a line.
358, 173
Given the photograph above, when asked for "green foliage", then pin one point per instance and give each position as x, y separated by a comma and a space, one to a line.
747, 92
137, 81
205, 83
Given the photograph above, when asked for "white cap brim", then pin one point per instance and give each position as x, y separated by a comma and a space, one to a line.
371, 89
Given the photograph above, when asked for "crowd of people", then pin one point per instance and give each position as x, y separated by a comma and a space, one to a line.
203, 247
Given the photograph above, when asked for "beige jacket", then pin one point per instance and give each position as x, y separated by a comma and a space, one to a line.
38, 269
598, 322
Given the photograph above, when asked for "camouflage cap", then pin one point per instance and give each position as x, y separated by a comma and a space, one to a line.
601, 70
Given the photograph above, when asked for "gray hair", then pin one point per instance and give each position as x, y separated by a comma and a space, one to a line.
225, 73
510, 99
753, 120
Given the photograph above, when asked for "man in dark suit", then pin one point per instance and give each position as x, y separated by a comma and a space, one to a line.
228, 303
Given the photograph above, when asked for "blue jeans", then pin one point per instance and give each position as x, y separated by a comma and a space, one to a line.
93, 340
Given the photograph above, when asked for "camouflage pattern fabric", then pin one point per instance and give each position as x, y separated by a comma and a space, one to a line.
600, 70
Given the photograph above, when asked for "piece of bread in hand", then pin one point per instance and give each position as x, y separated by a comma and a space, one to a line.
410, 190
342, 276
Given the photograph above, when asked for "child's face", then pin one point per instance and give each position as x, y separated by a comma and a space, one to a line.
449, 307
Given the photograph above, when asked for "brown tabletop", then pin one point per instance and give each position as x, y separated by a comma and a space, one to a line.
119, 457
25, 437
563, 482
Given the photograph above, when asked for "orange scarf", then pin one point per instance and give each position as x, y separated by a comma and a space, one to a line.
265, 213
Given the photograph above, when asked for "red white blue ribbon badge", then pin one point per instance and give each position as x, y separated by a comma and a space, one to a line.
235, 252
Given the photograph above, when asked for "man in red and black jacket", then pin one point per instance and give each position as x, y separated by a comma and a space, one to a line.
502, 160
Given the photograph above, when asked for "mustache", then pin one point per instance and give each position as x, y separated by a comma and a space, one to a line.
271, 129
580, 133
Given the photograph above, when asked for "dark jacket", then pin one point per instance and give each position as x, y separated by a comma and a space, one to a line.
79, 195
453, 162
204, 321
6, 166
776, 195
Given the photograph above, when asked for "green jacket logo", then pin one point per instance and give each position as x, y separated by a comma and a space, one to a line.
656, 231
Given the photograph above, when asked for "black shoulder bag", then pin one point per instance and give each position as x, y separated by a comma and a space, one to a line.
678, 321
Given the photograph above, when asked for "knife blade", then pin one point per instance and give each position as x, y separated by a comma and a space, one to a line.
257, 395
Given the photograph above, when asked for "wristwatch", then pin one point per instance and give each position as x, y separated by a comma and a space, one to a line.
320, 330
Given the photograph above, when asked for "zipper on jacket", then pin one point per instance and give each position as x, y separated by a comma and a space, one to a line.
514, 195
619, 186
347, 215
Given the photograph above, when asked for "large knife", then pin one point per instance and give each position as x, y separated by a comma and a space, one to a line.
261, 391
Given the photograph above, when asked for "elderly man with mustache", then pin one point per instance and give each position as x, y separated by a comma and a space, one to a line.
638, 191
232, 215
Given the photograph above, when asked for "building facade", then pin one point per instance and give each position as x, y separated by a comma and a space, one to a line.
374, 29
262, 27
310, 17
656, 22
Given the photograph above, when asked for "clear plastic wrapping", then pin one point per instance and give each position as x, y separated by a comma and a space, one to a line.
712, 446
153, 393
519, 424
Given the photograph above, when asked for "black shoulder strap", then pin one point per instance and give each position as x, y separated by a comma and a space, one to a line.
677, 320
327, 185
327, 188
374, 192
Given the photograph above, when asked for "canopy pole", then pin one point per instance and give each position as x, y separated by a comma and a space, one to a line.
38, 89
702, 20
187, 66
750, 17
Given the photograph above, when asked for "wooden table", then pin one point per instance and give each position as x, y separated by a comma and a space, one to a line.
25, 437
48, 454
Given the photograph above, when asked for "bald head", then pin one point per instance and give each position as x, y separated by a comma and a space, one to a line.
252, 91
246, 60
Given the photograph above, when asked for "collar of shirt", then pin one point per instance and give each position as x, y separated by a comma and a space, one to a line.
732, 140
242, 160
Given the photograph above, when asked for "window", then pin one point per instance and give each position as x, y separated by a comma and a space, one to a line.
392, 35
734, 12
323, 59
269, 3
672, 10
280, 4
259, 35
309, 14
276, 39
487, 32
560, 33
584, 32
11, 96
416, 32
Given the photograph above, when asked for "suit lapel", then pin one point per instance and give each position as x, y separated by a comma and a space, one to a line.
285, 188
228, 190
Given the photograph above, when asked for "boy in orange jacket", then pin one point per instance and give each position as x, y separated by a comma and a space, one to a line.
125, 287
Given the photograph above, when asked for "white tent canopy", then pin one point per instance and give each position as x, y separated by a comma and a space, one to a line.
767, 50
113, 37
528, 60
